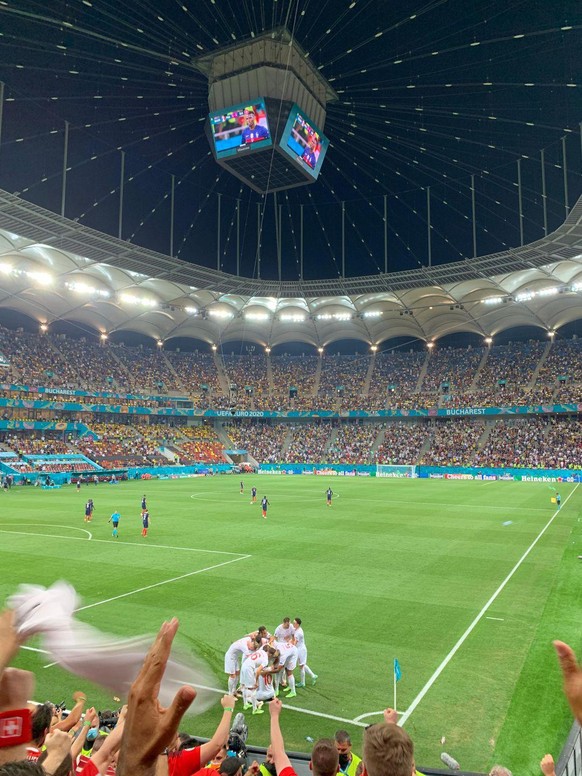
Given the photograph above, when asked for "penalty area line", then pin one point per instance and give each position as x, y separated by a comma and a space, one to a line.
407, 714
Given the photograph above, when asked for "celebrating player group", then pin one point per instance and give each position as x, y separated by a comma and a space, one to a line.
259, 664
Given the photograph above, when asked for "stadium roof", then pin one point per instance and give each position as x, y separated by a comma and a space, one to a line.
443, 109
52, 269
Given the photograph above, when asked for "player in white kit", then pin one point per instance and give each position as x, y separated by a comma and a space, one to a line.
288, 662
235, 654
253, 666
284, 630
302, 654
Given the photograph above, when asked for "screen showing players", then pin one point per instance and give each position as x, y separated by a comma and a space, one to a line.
240, 129
304, 142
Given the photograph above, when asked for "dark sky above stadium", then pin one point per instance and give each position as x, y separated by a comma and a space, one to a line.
430, 93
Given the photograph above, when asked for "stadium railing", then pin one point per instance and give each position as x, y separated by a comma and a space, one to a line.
570, 760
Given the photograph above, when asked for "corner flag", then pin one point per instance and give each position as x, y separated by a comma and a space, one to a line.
397, 670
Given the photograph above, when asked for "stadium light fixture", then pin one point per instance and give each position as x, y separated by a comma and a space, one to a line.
103, 336
5, 269
191, 310
373, 348
42, 278
79, 287
292, 318
488, 340
43, 327
221, 314
160, 343
257, 317
267, 350
214, 348
372, 314
551, 333
143, 301
493, 300
320, 351
430, 345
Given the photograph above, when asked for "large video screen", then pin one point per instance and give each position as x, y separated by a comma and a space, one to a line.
303, 141
240, 128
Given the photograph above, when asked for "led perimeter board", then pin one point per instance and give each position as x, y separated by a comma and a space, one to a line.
304, 142
240, 129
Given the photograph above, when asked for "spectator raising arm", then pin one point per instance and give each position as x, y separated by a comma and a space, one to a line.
74, 715
58, 753
572, 674
149, 727
209, 750
9, 641
282, 762
16, 687
91, 721
547, 765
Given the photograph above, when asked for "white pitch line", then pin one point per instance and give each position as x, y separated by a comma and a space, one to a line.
499, 619
49, 525
122, 543
478, 618
325, 716
159, 584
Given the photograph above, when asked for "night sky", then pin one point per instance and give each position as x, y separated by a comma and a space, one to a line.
430, 93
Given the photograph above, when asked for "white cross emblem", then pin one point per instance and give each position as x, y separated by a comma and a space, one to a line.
11, 727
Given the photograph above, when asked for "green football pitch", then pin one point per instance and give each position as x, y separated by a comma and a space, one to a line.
466, 583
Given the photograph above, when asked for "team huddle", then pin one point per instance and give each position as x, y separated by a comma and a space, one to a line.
259, 664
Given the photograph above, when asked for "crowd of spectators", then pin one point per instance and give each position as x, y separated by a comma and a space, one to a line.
297, 372
452, 443
309, 442
196, 373
247, 379
394, 380
354, 443
116, 446
199, 444
535, 442
96, 367
451, 370
263, 441
334, 382
342, 381
546, 441
402, 443
36, 443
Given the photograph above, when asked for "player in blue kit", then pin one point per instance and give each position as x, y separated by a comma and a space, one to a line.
253, 131
264, 504
145, 520
253, 495
328, 496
